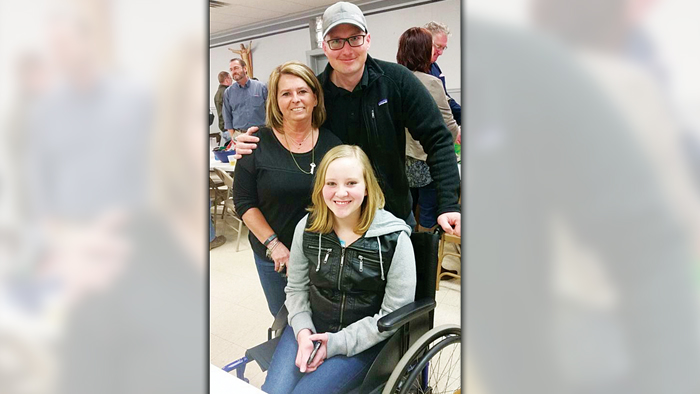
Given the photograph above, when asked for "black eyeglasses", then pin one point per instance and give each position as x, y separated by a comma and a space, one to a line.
338, 43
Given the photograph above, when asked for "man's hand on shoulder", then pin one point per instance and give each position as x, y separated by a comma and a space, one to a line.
451, 222
246, 143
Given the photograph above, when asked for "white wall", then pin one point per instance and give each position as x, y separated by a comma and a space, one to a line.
385, 29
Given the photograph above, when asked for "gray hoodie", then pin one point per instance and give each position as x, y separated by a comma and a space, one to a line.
400, 288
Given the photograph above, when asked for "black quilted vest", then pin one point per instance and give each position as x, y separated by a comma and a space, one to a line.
346, 284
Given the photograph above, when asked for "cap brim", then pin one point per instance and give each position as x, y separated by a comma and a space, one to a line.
343, 22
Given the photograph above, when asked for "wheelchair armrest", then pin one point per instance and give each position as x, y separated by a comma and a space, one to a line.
405, 314
279, 323
280, 319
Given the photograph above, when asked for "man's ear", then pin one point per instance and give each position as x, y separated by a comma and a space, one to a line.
368, 39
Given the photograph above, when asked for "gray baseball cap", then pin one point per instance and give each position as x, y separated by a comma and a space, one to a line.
343, 12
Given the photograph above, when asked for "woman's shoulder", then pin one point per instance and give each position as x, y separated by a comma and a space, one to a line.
265, 132
265, 146
428, 80
268, 141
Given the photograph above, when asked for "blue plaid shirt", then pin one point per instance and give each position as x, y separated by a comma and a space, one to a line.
244, 106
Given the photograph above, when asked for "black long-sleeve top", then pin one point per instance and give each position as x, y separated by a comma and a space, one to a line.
270, 180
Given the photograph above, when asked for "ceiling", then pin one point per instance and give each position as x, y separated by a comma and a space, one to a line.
240, 20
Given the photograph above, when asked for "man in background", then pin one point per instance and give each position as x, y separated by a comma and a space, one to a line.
440, 34
225, 81
244, 101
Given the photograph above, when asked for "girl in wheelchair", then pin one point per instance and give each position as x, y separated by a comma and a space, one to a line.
351, 263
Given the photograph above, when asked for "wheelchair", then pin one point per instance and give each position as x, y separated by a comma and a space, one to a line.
417, 358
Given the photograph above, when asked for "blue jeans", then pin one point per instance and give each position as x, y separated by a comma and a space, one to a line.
426, 198
273, 283
338, 374
212, 231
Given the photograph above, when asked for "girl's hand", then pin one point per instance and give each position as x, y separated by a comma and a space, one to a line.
280, 255
306, 346
321, 353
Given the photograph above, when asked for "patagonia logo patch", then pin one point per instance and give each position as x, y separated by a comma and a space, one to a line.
382, 102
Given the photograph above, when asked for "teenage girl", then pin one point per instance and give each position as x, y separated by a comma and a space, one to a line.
351, 263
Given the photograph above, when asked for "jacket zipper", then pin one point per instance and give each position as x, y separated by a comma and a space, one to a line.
340, 274
342, 309
370, 132
373, 127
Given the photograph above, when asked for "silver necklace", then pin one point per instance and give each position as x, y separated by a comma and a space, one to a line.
302, 141
313, 149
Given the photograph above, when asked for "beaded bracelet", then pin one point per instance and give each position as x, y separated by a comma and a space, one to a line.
269, 251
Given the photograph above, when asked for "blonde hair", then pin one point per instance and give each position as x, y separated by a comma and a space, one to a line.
273, 115
321, 217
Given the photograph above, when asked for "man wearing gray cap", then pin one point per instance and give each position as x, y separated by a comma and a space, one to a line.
370, 103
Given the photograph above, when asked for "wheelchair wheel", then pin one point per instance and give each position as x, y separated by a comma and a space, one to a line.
432, 365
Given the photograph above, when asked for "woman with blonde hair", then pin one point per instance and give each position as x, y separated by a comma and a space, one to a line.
272, 188
351, 263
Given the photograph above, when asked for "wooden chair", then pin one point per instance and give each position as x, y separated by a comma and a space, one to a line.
218, 193
229, 207
444, 239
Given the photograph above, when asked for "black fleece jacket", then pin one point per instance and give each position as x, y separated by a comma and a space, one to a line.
394, 100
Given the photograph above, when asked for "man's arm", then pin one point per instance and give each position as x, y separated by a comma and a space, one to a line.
454, 105
425, 124
219, 103
228, 118
456, 109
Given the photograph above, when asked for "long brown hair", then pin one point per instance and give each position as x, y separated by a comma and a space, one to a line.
415, 49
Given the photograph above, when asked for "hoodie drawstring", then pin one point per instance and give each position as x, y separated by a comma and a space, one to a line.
381, 262
318, 266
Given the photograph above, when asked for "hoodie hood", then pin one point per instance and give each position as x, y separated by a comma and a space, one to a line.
385, 223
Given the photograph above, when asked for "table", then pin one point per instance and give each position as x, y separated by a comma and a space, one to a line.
213, 163
225, 383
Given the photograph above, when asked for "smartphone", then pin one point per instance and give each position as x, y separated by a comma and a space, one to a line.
317, 344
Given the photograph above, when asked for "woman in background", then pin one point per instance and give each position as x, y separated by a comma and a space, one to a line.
415, 51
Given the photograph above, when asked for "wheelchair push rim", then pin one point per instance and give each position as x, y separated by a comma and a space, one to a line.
423, 370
